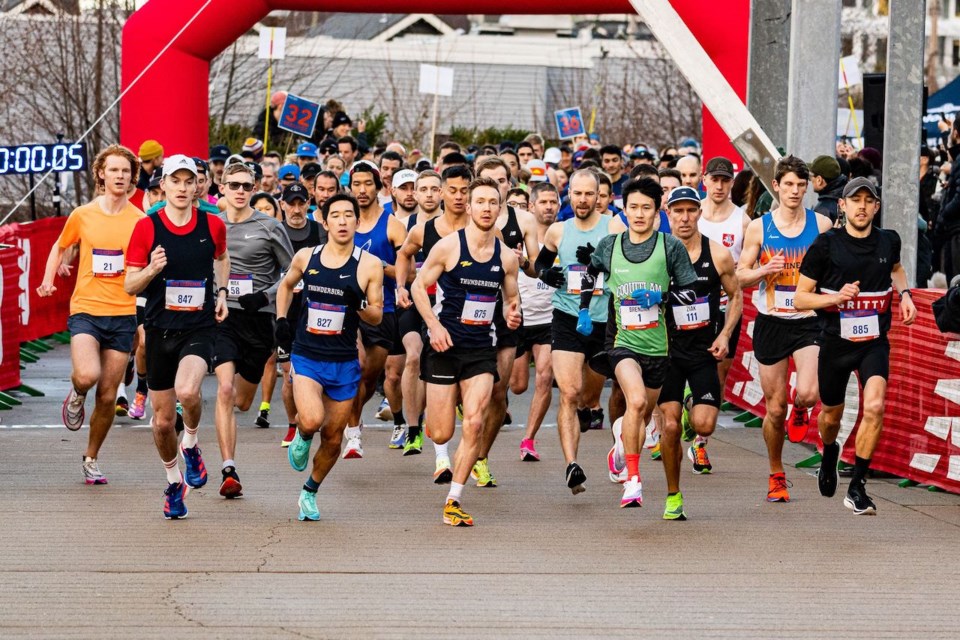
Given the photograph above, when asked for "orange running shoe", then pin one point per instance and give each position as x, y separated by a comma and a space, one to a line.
778, 488
798, 424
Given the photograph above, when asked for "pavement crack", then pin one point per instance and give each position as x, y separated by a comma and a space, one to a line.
263, 551
177, 608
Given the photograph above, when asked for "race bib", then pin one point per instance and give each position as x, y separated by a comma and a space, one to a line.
575, 277
107, 263
859, 326
185, 295
635, 318
239, 285
478, 310
692, 316
783, 298
325, 319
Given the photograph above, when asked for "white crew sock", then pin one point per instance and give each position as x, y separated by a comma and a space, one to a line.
189, 439
456, 489
441, 450
228, 463
173, 471
122, 391
352, 432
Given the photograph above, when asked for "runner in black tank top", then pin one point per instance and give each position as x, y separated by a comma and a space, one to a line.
849, 276
470, 267
699, 336
337, 277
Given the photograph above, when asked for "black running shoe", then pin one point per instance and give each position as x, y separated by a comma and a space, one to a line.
128, 373
827, 475
585, 416
858, 500
575, 478
263, 420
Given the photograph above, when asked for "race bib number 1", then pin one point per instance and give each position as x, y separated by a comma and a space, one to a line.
185, 295
859, 326
107, 263
575, 275
478, 310
633, 317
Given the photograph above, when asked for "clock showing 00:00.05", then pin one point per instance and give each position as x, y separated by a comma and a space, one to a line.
40, 158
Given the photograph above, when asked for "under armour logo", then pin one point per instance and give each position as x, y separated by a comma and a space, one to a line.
883, 260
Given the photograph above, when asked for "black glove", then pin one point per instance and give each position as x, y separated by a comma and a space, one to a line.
552, 277
253, 301
352, 299
585, 253
283, 335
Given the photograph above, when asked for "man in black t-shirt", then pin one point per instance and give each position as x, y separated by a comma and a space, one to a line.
848, 277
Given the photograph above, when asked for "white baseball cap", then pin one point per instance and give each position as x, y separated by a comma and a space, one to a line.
177, 162
552, 155
404, 176
538, 170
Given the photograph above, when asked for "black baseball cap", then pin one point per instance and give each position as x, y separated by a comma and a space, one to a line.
219, 153
860, 183
202, 166
719, 166
296, 191
155, 178
310, 170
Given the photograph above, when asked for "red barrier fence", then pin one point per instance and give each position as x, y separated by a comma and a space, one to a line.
9, 317
921, 431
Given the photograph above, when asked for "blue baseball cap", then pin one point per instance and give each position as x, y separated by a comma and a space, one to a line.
307, 150
683, 193
289, 171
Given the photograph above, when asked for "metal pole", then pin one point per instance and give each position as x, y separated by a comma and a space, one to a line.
901, 135
56, 184
768, 82
33, 199
814, 70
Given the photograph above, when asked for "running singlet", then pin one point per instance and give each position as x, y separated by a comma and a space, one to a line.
182, 296
329, 320
775, 295
836, 258
467, 298
376, 242
535, 299
728, 233
642, 331
694, 327
566, 299
307, 236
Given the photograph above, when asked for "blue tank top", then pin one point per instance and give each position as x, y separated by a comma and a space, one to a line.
377, 243
329, 319
467, 298
776, 291
567, 298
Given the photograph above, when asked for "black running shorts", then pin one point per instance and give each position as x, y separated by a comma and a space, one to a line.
245, 339
454, 365
652, 368
167, 347
702, 377
839, 358
775, 339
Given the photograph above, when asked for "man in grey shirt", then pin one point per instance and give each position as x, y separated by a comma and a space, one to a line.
260, 251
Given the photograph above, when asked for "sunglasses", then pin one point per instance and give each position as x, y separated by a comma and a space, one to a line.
517, 204
237, 186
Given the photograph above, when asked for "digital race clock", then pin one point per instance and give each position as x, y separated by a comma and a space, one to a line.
40, 158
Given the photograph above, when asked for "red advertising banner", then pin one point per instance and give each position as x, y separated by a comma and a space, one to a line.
921, 431
9, 317
41, 316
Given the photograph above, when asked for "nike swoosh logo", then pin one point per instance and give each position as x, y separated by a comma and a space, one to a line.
247, 236
203, 240
342, 276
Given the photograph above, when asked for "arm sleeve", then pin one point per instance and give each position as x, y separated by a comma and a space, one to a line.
219, 232
544, 259
816, 259
138, 251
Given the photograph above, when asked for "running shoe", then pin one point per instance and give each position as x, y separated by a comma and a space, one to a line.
596, 418
308, 506
507, 418
354, 448
73, 411
798, 424
298, 453
139, 406
481, 473
455, 516
686, 429
263, 419
399, 437
173, 506
384, 413
528, 451
583, 417
575, 478
655, 454
123, 407
616, 463
91, 472
443, 474
674, 508
196, 470
414, 447
698, 456
632, 493
652, 435
128, 373
778, 488
287, 439
858, 500
231, 487
827, 474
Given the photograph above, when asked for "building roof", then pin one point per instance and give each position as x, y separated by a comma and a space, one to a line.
385, 26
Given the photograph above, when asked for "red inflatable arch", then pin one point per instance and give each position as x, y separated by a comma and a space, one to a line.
171, 102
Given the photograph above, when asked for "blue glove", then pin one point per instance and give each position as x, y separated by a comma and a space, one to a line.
647, 298
584, 322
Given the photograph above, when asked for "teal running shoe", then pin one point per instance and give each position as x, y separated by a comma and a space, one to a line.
308, 505
298, 453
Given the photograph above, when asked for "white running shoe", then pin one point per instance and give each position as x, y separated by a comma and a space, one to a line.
632, 493
653, 435
354, 448
383, 411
